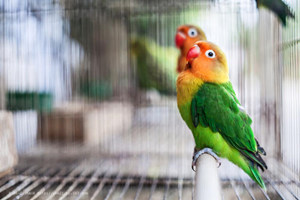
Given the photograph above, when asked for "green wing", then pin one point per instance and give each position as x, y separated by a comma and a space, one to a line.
228, 87
216, 106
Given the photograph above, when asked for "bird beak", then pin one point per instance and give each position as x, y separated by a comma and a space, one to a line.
179, 39
194, 52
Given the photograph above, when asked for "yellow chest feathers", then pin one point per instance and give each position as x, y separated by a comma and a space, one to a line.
187, 85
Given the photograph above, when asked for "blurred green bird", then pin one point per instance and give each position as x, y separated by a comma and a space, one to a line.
281, 9
154, 65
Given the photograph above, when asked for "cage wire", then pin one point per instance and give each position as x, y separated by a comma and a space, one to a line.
91, 85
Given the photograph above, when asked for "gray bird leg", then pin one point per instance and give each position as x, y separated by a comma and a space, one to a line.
197, 154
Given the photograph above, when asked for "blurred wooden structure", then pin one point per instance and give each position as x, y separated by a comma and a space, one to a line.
89, 125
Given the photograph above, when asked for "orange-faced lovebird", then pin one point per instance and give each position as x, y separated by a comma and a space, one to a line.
210, 108
185, 38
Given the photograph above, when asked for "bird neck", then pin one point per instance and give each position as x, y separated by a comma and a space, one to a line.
187, 86
181, 63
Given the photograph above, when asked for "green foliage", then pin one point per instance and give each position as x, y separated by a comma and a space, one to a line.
279, 7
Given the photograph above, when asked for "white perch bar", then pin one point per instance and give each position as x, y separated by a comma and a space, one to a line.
207, 185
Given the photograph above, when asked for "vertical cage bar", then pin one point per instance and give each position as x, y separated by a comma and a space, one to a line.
89, 183
126, 187
113, 186
140, 187
153, 187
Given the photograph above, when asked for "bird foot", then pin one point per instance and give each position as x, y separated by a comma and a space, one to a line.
197, 154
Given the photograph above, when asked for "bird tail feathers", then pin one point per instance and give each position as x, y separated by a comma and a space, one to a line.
256, 176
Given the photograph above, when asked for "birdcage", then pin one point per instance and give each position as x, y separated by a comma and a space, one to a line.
88, 94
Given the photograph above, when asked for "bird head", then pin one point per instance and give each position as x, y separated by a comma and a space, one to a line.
187, 35
208, 62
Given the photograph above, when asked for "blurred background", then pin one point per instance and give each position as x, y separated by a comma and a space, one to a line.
88, 98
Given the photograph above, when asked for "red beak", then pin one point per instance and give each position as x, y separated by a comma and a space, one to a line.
194, 52
179, 39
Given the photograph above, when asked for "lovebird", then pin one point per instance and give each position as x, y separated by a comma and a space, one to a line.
280, 8
154, 65
185, 38
209, 106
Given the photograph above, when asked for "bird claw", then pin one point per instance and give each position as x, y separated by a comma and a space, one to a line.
197, 154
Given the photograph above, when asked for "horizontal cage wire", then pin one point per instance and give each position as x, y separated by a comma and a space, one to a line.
105, 179
88, 91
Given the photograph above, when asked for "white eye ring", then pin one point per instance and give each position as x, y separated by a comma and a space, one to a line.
210, 54
192, 32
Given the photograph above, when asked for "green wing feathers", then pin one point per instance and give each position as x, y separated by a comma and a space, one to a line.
213, 106
228, 87
217, 107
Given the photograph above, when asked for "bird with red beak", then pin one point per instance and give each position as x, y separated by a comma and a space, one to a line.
185, 38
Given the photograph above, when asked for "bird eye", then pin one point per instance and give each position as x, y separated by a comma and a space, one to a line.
210, 54
192, 32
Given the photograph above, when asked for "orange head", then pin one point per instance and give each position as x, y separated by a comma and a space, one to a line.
185, 38
187, 35
207, 62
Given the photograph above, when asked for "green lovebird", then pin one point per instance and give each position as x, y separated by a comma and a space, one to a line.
154, 65
210, 108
